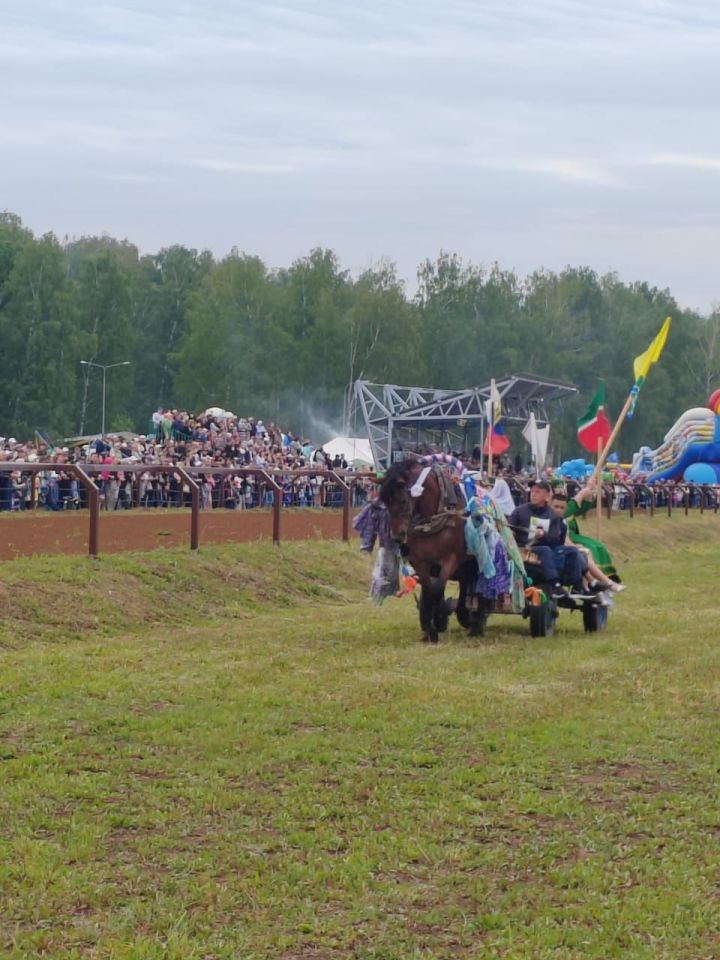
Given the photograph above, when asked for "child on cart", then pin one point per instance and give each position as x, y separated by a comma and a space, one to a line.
599, 571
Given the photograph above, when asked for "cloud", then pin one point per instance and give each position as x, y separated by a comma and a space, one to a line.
566, 168
128, 178
378, 128
686, 161
231, 166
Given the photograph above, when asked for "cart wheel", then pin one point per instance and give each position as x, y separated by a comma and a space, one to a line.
542, 620
594, 617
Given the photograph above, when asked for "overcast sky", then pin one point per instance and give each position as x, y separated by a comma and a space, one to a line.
534, 134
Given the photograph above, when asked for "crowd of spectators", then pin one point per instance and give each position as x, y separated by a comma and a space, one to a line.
617, 486
218, 449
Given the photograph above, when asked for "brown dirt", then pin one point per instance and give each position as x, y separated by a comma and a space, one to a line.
67, 533
26, 534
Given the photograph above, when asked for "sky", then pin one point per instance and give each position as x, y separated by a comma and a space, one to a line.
528, 134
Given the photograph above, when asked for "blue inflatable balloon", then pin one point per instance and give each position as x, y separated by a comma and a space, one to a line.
702, 473
576, 469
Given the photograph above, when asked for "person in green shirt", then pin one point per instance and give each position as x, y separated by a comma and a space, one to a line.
600, 563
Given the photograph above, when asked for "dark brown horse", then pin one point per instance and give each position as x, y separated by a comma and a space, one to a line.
433, 534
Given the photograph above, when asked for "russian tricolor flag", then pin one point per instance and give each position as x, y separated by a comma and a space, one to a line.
496, 441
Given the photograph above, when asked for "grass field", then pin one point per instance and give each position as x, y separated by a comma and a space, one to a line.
235, 755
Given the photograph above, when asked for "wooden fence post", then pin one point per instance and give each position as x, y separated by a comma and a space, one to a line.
344, 487
195, 506
277, 504
93, 505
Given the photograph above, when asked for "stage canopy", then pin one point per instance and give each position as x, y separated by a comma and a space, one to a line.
405, 418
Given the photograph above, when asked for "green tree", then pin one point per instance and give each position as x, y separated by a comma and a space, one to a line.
379, 332
104, 335
37, 333
470, 320
160, 304
311, 340
703, 359
225, 357
13, 238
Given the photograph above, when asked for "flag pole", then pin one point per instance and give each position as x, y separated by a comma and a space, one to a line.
491, 431
641, 367
598, 505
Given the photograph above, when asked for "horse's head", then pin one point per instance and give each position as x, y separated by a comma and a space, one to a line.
395, 494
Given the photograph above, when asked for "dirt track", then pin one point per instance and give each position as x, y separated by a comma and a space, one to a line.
25, 534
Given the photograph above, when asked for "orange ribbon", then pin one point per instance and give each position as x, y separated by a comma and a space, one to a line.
536, 597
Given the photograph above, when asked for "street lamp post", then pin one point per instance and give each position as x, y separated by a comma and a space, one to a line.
104, 367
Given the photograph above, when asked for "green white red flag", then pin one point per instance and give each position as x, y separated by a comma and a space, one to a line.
594, 425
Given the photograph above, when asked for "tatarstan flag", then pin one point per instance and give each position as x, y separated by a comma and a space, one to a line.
594, 424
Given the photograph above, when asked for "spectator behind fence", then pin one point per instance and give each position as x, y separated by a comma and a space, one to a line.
177, 438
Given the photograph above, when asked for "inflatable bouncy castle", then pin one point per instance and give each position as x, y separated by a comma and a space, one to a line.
690, 450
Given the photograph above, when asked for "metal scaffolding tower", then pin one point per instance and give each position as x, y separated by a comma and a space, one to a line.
397, 418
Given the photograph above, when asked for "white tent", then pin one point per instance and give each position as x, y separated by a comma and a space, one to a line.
356, 450
218, 412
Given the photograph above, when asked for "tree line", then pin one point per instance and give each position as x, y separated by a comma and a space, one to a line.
286, 344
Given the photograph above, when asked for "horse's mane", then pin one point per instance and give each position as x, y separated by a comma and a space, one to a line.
396, 476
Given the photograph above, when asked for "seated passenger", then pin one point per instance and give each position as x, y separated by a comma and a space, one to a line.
593, 577
601, 566
536, 526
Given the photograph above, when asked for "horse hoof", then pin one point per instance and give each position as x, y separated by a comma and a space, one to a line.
477, 627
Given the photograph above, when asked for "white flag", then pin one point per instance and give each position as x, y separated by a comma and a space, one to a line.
537, 437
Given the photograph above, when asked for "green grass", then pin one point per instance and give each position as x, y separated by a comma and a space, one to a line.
234, 755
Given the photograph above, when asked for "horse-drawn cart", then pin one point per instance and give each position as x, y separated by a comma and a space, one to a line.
472, 543
541, 610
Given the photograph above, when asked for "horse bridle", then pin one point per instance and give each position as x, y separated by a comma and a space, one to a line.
416, 490
409, 495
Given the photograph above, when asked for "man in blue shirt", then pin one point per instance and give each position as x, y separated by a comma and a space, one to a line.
537, 527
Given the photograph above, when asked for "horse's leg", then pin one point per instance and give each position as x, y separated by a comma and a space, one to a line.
476, 613
467, 578
480, 608
478, 618
484, 609
423, 570
441, 614
439, 582
461, 610
427, 606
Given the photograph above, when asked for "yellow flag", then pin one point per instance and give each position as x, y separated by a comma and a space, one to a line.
642, 364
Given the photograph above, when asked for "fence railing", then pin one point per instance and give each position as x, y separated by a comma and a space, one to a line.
636, 496
177, 486
270, 489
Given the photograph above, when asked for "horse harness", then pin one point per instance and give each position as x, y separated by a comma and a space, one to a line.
448, 507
